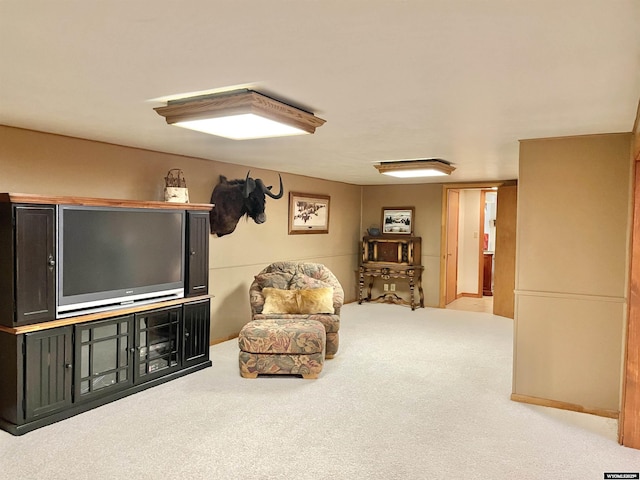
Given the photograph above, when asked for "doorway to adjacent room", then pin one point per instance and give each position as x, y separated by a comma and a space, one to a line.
477, 256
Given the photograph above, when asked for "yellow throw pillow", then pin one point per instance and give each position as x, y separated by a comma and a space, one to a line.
279, 301
310, 301
316, 300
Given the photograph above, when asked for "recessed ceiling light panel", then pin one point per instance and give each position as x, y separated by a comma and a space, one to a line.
241, 127
415, 168
239, 115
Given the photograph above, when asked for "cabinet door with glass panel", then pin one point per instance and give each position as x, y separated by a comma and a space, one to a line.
103, 357
157, 346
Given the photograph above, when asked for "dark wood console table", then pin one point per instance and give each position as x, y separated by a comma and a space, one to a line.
388, 257
412, 273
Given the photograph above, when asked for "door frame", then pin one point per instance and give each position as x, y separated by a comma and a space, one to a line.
629, 418
443, 228
481, 232
451, 242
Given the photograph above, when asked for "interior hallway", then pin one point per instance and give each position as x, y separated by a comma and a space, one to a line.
471, 304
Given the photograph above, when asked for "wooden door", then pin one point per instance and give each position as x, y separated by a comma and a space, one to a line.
195, 333
103, 357
453, 205
48, 371
505, 254
157, 347
629, 422
35, 264
197, 253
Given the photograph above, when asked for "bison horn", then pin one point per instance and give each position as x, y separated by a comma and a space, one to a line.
267, 190
249, 186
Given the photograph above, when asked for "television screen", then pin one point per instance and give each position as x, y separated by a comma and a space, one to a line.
118, 255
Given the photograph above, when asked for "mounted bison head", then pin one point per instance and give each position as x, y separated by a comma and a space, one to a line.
234, 198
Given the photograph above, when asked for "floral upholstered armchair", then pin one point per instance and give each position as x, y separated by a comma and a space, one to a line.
299, 290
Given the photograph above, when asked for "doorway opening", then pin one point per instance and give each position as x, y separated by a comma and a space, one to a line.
468, 246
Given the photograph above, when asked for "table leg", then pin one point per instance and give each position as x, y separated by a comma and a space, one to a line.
411, 288
370, 288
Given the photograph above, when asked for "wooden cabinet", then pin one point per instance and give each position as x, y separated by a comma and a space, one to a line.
30, 239
51, 374
27, 267
48, 373
35, 264
197, 264
391, 257
195, 333
395, 251
53, 368
487, 274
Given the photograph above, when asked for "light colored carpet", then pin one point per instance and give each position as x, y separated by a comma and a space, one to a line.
410, 395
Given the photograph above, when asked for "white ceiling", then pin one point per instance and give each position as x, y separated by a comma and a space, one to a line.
462, 80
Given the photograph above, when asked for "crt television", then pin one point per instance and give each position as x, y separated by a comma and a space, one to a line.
111, 257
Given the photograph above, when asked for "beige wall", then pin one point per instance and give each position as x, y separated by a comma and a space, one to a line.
427, 200
572, 234
39, 163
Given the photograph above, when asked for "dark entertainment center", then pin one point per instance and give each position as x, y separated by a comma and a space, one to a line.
99, 299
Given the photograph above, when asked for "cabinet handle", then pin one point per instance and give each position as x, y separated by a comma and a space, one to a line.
132, 349
192, 252
186, 334
51, 261
67, 365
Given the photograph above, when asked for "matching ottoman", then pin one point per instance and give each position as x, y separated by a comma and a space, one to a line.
281, 346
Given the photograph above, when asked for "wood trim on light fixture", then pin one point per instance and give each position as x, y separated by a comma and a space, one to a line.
432, 164
237, 103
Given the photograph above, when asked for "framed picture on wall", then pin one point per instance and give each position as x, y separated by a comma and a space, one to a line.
308, 213
397, 220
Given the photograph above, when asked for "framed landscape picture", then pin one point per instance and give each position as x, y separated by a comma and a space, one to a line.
308, 213
397, 220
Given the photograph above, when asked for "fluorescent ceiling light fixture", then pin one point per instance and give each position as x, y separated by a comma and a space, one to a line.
240, 115
415, 168
241, 127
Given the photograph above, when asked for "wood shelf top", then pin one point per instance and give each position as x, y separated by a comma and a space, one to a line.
390, 237
36, 327
98, 202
